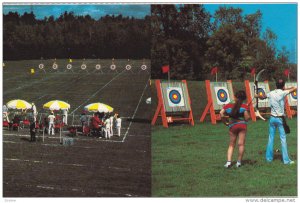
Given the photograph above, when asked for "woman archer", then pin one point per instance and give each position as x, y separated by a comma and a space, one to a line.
235, 116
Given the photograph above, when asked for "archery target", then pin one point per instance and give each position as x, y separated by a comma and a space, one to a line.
294, 96
113, 67
128, 67
98, 67
174, 95
55, 66
222, 95
261, 92
69, 66
41, 66
83, 67
144, 67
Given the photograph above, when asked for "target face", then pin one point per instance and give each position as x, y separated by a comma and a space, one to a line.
222, 95
55, 66
41, 66
83, 67
128, 67
261, 92
143, 67
113, 67
69, 66
98, 67
294, 96
175, 97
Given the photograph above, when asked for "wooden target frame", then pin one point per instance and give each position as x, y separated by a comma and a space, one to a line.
262, 104
168, 113
213, 107
291, 101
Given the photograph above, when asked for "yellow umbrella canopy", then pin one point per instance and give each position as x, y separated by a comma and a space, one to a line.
18, 104
98, 107
56, 105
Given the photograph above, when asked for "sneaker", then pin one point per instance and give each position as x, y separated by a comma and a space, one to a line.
228, 164
291, 163
238, 164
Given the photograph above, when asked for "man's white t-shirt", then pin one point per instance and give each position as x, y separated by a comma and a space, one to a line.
276, 99
118, 122
51, 118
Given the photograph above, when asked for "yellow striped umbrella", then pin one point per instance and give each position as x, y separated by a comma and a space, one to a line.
56, 105
18, 104
98, 107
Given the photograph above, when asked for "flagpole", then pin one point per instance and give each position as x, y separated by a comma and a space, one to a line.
217, 76
169, 76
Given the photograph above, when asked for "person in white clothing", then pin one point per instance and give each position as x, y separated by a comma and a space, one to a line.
65, 116
51, 119
111, 118
34, 111
118, 125
5, 113
107, 128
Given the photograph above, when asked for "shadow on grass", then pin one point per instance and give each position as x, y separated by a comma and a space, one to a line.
25, 139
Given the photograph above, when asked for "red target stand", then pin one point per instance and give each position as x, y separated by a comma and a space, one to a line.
263, 88
174, 103
224, 91
291, 101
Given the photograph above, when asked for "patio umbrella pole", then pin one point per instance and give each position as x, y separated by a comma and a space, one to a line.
60, 135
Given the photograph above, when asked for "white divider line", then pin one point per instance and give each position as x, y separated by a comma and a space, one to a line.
97, 91
137, 107
48, 162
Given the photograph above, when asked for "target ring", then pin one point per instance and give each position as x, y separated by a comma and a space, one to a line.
83, 67
98, 67
113, 67
41, 66
144, 67
175, 96
294, 95
261, 92
55, 66
128, 67
222, 95
69, 66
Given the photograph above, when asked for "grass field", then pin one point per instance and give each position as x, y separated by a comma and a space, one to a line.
91, 167
188, 161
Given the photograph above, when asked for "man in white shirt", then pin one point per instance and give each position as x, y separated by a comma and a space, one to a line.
51, 119
107, 128
111, 118
276, 98
118, 125
34, 111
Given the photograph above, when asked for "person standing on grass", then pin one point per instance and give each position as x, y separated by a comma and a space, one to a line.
235, 116
276, 99
111, 118
51, 119
35, 113
32, 127
118, 124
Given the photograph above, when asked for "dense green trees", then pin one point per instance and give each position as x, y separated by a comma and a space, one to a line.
25, 37
192, 42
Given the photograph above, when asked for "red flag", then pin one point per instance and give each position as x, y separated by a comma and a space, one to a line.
214, 70
286, 72
253, 71
165, 68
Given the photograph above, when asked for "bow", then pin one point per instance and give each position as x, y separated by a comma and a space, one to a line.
257, 114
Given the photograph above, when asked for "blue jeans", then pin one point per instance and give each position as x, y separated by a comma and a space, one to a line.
277, 123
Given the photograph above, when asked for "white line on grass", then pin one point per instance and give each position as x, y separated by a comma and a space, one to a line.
97, 91
135, 110
48, 162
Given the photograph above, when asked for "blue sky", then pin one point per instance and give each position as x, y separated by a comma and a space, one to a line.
280, 18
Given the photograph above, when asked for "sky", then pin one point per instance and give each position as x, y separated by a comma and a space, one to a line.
280, 18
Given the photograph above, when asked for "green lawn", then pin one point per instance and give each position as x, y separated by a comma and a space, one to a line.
188, 162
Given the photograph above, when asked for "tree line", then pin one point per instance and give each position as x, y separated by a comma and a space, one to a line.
70, 36
192, 41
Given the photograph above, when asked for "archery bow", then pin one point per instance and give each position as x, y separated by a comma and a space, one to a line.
257, 114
